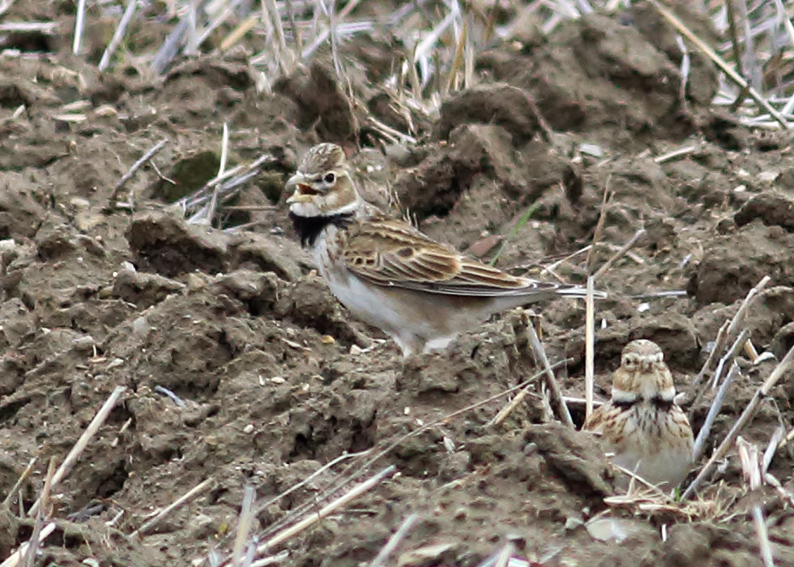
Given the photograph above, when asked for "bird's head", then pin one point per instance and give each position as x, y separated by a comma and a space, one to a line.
643, 374
322, 186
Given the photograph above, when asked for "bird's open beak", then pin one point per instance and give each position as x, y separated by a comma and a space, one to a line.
302, 191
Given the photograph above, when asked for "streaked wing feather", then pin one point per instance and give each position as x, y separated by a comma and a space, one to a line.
393, 253
392, 270
598, 420
470, 289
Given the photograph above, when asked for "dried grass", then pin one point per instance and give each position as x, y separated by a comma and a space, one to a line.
394, 541
176, 504
282, 530
754, 52
82, 443
747, 415
757, 84
135, 167
752, 468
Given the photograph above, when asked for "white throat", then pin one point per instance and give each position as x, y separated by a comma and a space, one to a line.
310, 210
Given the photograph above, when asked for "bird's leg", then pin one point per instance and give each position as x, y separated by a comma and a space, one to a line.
409, 343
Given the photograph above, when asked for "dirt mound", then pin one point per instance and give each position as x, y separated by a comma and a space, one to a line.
609, 77
241, 369
733, 263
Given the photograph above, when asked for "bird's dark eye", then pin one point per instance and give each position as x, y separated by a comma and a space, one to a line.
329, 178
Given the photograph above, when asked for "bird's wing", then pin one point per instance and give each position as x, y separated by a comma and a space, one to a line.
393, 253
599, 418
610, 422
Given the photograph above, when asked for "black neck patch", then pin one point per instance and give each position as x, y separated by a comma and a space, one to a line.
657, 402
625, 404
661, 404
309, 228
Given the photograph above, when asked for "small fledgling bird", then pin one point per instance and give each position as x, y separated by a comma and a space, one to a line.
644, 427
420, 292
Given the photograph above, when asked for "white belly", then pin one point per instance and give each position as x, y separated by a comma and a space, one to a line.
668, 466
413, 321
367, 302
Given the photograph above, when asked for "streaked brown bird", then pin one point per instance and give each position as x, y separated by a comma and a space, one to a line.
644, 427
420, 292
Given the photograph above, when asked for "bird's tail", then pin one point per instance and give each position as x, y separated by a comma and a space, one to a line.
579, 291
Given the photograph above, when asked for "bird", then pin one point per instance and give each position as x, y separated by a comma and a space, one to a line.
642, 425
420, 292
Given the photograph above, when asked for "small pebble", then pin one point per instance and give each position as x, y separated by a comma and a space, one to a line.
84, 343
106, 110
592, 150
248, 428
140, 327
195, 282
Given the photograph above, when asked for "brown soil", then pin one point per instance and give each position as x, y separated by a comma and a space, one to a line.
277, 380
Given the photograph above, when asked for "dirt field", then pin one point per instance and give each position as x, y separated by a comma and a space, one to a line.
274, 380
